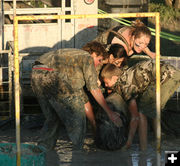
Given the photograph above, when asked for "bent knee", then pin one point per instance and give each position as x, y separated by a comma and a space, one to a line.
135, 118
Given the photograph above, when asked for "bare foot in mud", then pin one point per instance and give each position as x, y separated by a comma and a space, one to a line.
126, 146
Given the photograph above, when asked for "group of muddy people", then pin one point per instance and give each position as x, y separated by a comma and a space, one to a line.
96, 84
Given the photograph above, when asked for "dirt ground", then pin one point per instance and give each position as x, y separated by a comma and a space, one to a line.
90, 155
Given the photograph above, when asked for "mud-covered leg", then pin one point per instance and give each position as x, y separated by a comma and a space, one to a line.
90, 115
142, 131
49, 133
134, 121
50, 130
72, 114
147, 105
132, 130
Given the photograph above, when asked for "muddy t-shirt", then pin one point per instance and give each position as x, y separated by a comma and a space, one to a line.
75, 67
135, 80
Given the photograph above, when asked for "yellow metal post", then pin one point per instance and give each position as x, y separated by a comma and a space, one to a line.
80, 16
16, 89
158, 101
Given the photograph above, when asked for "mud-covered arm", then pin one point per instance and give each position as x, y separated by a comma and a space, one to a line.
149, 53
98, 96
90, 76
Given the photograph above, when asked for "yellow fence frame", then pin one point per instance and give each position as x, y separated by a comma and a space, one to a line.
156, 15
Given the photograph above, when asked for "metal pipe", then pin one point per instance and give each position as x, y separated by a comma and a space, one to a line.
158, 102
16, 85
53, 17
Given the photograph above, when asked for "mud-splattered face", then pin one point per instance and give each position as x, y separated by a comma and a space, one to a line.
110, 82
116, 61
97, 59
141, 43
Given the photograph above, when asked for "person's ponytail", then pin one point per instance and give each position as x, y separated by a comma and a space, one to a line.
138, 28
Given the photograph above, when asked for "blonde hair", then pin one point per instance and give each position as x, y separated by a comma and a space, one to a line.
137, 23
110, 70
139, 28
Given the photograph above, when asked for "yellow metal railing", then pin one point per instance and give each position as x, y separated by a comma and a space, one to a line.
158, 107
55, 17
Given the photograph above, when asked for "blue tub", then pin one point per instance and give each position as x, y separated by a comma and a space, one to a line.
31, 155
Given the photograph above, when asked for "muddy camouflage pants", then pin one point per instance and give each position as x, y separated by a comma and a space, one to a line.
57, 105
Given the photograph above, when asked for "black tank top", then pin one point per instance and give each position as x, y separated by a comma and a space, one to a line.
112, 35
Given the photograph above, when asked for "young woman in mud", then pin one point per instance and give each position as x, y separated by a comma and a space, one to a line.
58, 78
134, 38
136, 85
117, 55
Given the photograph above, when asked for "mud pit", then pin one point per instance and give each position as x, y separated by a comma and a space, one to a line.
91, 155
64, 156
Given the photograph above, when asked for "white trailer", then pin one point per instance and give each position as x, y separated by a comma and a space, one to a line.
42, 36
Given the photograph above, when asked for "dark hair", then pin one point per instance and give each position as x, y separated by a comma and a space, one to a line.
95, 47
118, 51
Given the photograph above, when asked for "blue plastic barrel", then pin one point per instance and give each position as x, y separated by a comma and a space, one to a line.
31, 155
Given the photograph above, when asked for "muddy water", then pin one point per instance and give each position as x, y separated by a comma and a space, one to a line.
90, 155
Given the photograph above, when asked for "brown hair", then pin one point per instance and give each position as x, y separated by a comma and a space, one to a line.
95, 47
110, 70
118, 51
139, 28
